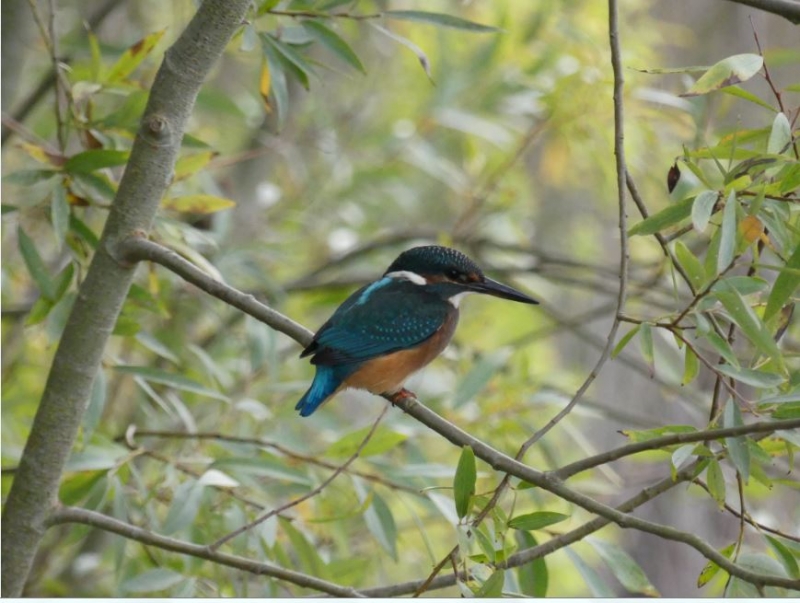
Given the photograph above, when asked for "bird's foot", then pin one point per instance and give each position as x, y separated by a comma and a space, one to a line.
401, 395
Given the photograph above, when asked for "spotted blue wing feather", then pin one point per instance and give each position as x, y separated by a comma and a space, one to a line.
381, 318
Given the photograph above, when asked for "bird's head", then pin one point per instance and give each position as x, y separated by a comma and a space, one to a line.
450, 273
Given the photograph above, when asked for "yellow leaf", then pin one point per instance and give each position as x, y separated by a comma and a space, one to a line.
264, 85
132, 57
40, 155
191, 164
198, 204
751, 229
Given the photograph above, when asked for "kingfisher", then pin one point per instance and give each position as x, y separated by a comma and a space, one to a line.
391, 328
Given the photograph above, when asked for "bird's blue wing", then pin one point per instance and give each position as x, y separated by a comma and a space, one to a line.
386, 316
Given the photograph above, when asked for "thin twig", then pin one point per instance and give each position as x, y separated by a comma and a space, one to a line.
305, 458
622, 170
215, 545
747, 517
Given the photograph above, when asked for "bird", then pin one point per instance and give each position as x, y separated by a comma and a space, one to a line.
391, 328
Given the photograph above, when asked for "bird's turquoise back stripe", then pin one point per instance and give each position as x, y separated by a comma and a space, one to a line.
371, 289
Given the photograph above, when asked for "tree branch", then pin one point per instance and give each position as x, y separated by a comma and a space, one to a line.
501, 462
568, 471
137, 248
63, 515
102, 293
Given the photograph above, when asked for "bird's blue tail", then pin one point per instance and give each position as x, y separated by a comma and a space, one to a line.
324, 384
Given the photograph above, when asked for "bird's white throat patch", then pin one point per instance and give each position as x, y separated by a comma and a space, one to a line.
456, 299
408, 276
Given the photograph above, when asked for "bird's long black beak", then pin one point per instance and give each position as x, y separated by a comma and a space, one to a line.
492, 287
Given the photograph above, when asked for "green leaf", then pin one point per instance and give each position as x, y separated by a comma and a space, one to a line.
290, 58
729, 71
592, 579
60, 214
780, 135
381, 525
737, 447
716, 481
691, 366
536, 521
192, 163
132, 57
333, 42
646, 342
727, 242
307, 555
36, 266
747, 320
690, 263
94, 457
172, 380
383, 440
151, 581
784, 555
421, 56
440, 19
76, 487
95, 159
464, 481
278, 91
480, 374
702, 208
624, 568
184, 508
748, 96
197, 204
752, 377
29, 177
785, 285
722, 347
745, 285
624, 341
666, 217
493, 587
533, 577
710, 570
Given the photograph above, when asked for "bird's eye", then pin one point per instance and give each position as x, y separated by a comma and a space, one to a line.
454, 275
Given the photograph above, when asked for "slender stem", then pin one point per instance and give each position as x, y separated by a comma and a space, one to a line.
622, 170
292, 503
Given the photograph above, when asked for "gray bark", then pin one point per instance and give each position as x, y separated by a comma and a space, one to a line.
33, 493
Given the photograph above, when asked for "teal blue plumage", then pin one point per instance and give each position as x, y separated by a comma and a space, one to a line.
386, 316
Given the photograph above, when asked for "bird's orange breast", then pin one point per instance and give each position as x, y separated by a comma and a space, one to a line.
386, 374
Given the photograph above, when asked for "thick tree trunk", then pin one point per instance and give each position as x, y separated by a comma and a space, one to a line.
185, 66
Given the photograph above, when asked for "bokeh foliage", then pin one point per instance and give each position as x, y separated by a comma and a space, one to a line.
341, 145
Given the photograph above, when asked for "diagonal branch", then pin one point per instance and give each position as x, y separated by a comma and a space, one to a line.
63, 515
